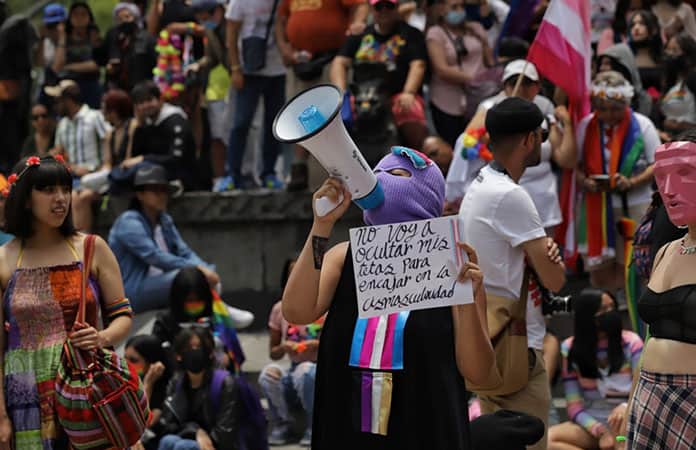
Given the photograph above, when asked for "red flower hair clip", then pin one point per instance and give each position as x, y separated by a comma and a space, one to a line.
13, 178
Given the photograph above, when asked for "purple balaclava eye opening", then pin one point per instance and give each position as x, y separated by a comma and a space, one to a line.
418, 197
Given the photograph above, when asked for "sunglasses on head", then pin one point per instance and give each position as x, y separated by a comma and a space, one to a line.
382, 6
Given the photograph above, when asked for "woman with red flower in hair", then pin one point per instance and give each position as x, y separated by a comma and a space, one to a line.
41, 278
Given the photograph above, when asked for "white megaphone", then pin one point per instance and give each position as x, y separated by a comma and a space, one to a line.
312, 120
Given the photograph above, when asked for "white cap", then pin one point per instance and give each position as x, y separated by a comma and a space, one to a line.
520, 66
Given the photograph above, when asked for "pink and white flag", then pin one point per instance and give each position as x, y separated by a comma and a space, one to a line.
562, 49
562, 53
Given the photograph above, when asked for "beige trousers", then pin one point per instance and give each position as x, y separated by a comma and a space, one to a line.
534, 399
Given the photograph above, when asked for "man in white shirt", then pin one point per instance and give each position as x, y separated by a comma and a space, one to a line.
501, 222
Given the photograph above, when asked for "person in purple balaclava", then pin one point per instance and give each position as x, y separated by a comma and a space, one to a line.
415, 398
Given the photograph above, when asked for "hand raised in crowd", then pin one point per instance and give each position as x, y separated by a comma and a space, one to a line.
5, 432
554, 251
203, 440
87, 337
562, 115
154, 373
331, 189
470, 270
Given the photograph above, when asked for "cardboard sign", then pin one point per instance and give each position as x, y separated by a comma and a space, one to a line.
408, 266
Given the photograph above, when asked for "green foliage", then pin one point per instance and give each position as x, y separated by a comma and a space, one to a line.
101, 8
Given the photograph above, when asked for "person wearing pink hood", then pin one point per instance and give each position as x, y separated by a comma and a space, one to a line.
662, 409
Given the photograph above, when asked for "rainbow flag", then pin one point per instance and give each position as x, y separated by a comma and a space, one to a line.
597, 226
224, 330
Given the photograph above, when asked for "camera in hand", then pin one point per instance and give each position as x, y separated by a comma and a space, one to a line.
555, 304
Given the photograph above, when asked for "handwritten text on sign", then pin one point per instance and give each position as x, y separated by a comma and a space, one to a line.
408, 266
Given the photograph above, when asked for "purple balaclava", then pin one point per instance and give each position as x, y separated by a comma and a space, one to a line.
418, 197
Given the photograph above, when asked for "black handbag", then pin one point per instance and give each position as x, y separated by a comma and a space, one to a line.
312, 69
254, 47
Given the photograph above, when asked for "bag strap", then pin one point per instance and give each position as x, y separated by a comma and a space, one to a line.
454, 44
519, 310
88, 244
271, 19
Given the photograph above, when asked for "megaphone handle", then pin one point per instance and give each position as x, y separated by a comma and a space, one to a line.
324, 205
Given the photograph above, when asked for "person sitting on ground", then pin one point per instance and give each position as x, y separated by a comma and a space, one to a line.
598, 366
300, 343
163, 136
204, 405
79, 137
192, 301
41, 141
154, 366
148, 245
118, 143
401, 49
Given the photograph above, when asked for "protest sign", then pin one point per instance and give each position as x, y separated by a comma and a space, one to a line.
408, 266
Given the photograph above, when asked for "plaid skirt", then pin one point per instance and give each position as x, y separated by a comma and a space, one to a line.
663, 414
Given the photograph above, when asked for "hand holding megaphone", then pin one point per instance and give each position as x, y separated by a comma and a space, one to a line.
331, 201
312, 120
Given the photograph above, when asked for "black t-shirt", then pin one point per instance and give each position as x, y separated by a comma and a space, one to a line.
396, 50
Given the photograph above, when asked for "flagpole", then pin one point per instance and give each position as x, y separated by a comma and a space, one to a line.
518, 83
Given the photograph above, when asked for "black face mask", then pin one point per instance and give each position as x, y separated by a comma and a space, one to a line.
127, 29
194, 361
674, 64
609, 322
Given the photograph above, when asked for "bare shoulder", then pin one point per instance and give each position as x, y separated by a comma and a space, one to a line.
8, 260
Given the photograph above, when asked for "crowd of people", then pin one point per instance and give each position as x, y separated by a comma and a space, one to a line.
168, 100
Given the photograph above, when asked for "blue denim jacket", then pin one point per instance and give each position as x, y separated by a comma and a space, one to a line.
132, 240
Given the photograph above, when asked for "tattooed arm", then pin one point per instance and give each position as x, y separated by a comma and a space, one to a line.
312, 283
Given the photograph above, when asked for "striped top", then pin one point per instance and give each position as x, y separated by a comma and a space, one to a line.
579, 389
82, 136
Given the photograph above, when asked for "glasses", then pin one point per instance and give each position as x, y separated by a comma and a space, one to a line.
385, 6
39, 116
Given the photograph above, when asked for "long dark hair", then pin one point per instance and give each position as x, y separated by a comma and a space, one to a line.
189, 280
182, 343
619, 24
19, 218
654, 38
73, 7
688, 48
150, 348
583, 353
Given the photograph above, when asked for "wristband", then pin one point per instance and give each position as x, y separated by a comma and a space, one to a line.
620, 438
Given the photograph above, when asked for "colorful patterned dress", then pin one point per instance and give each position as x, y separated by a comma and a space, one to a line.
39, 305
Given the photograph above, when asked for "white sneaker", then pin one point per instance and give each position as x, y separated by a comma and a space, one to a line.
240, 318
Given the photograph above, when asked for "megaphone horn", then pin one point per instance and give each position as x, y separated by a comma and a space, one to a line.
312, 120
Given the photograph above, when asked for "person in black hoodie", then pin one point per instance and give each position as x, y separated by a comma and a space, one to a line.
197, 414
163, 136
